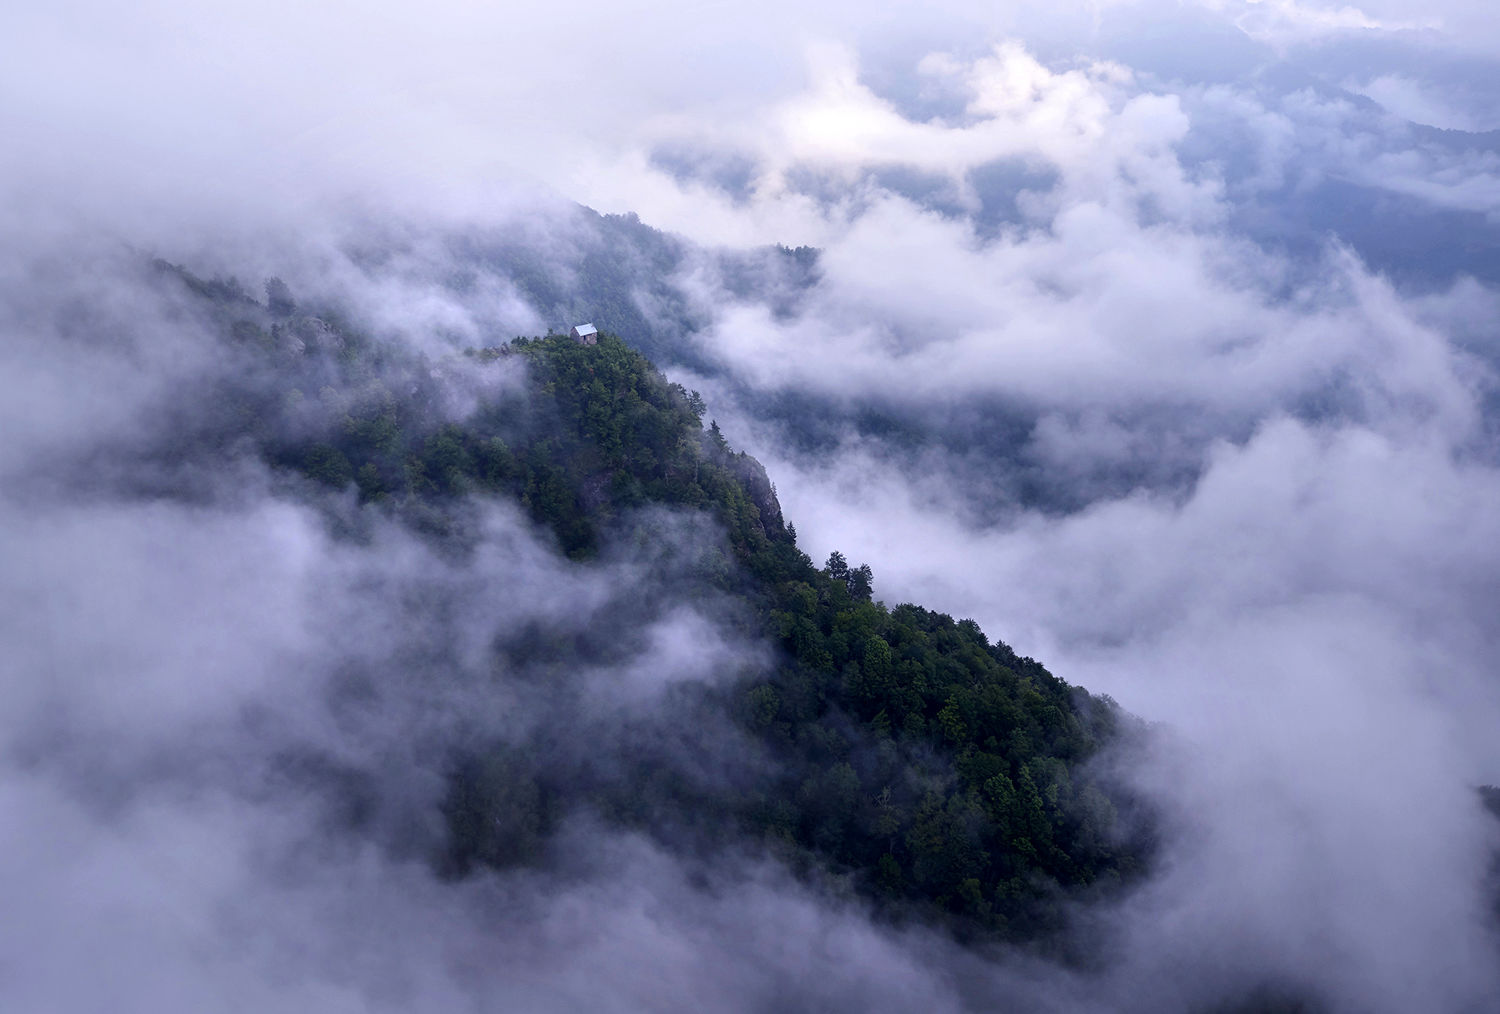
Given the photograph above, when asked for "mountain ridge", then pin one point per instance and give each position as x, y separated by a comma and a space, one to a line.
948, 778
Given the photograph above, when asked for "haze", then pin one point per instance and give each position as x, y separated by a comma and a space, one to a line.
1157, 337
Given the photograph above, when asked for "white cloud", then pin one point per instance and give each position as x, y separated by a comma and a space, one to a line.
1308, 605
1406, 98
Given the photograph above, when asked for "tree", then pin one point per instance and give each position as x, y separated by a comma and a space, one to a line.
860, 583
838, 567
718, 438
279, 298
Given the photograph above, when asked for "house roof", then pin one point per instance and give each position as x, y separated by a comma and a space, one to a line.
583, 329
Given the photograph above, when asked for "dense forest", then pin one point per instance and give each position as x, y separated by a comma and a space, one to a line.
898, 753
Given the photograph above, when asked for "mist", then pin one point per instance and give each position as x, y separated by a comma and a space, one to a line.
1156, 337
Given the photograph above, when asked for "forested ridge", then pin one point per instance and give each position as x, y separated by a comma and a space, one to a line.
900, 752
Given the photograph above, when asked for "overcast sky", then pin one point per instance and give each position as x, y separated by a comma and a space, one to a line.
1243, 251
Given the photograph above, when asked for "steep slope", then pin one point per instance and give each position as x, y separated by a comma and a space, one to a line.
894, 749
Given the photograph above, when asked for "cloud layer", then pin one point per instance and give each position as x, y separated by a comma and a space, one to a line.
1157, 337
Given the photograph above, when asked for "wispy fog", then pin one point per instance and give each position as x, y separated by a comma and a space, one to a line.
1157, 337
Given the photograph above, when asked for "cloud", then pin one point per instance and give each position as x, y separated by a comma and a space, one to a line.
1315, 623
256, 112
1284, 20
1129, 424
1406, 98
1307, 601
229, 733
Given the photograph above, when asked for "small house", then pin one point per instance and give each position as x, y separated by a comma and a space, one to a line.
585, 334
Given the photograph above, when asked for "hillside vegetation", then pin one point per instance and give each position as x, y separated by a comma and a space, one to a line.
899, 752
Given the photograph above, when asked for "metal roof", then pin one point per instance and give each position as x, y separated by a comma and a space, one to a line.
583, 329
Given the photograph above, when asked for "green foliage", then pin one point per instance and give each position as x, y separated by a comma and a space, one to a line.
942, 772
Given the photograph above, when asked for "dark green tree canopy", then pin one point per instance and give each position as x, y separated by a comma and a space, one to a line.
940, 773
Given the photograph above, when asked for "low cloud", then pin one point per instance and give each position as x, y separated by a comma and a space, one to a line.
1135, 409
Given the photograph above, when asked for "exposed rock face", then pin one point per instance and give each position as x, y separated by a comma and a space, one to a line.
284, 340
753, 474
317, 334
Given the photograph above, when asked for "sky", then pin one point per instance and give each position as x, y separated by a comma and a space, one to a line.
1227, 267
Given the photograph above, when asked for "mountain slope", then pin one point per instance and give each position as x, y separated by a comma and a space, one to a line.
896, 749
